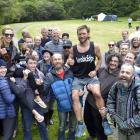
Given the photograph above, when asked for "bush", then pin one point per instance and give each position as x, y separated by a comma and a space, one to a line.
49, 11
135, 15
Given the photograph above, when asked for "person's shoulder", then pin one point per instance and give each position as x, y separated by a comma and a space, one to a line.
97, 48
40, 61
96, 45
49, 43
137, 82
60, 41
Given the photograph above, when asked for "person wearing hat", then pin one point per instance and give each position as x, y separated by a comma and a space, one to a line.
67, 44
45, 66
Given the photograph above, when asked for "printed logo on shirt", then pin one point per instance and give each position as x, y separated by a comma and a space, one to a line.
87, 58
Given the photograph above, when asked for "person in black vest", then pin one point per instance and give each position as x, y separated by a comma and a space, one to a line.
85, 70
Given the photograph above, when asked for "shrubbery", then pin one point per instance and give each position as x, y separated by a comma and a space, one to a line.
135, 15
39, 10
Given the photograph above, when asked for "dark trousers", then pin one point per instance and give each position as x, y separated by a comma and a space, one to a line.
8, 128
48, 115
27, 120
1, 128
62, 125
93, 122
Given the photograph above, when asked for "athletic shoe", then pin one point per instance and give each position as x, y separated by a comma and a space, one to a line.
107, 129
51, 122
39, 118
15, 133
80, 130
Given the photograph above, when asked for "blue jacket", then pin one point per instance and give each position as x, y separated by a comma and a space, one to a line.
61, 89
7, 109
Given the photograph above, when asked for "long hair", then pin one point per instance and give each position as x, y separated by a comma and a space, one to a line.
2, 43
109, 58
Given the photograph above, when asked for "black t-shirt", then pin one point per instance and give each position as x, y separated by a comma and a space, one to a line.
84, 62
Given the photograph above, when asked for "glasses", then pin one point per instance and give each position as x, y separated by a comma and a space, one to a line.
11, 35
49, 30
111, 45
66, 47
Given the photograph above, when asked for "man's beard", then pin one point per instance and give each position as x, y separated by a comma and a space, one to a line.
58, 68
123, 83
83, 41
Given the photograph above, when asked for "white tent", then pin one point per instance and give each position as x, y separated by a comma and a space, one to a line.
101, 16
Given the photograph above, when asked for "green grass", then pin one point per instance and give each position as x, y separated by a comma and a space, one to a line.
101, 33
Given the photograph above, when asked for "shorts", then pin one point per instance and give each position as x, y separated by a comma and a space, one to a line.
79, 83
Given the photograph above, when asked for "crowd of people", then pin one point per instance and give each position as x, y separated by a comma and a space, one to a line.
93, 90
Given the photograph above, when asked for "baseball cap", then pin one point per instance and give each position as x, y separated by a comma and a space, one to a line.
67, 44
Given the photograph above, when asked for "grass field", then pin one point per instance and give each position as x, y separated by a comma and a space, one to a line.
101, 33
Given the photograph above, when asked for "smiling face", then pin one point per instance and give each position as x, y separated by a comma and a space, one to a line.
31, 65
129, 58
113, 63
47, 56
124, 49
126, 74
3, 70
83, 36
111, 46
57, 61
8, 36
56, 34
37, 41
135, 42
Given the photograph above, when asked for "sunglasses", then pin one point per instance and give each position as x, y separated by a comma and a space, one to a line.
111, 45
50, 30
66, 47
11, 35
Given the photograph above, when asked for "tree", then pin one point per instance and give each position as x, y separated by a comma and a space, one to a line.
50, 10
4, 8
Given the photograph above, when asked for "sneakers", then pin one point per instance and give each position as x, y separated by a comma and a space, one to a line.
15, 133
51, 122
40, 103
39, 117
107, 129
80, 130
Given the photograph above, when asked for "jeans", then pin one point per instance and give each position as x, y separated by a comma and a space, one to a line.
27, 120
62, 125
8, 128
